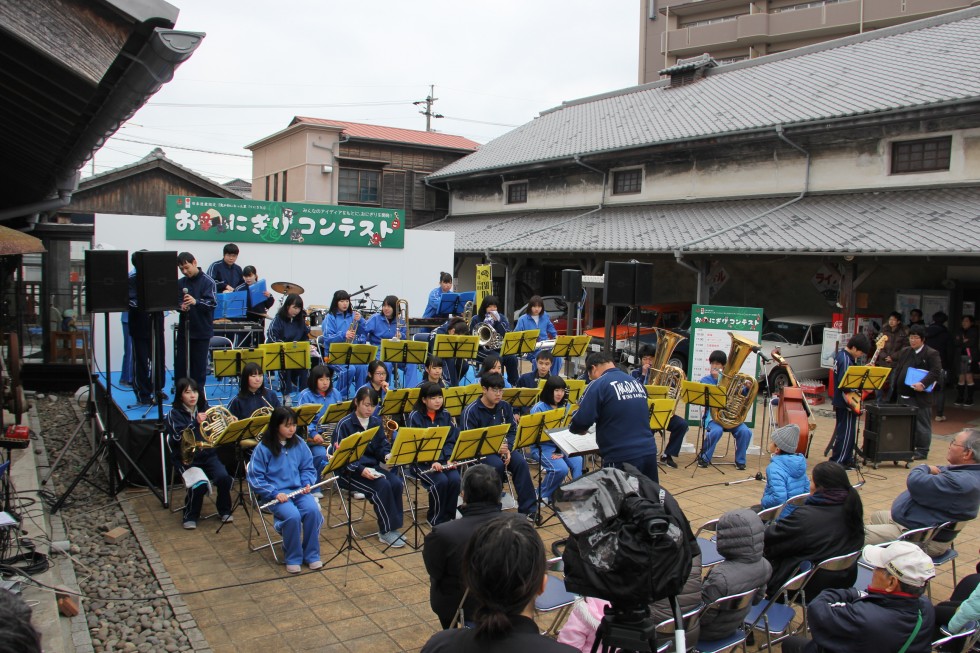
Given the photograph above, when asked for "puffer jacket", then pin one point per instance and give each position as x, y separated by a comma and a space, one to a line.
740, 540
785, 478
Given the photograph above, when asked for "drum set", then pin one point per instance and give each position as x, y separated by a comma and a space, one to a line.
317, 313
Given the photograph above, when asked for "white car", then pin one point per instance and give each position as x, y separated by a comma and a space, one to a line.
799, 339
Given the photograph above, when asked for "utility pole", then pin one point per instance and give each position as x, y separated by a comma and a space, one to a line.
427, 111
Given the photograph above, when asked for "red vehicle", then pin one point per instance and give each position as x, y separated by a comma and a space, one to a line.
557, 309
663, 316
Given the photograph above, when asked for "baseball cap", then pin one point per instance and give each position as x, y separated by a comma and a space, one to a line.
903, 560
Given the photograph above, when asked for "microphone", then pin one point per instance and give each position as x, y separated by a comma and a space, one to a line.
758, 350
186, 293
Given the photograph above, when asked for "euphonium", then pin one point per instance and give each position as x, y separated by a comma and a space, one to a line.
740, 389
216, 420
660, 372
489, 338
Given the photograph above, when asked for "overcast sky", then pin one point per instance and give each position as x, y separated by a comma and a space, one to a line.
495, 65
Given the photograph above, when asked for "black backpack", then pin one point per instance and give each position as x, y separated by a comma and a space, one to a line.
641, 550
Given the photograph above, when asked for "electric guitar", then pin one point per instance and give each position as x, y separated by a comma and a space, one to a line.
854, 398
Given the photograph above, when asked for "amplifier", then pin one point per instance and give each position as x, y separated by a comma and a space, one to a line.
889, 433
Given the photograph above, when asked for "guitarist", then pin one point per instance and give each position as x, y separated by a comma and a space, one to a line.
845, 427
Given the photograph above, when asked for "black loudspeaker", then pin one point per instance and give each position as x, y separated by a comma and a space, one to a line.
629, 284
106, 281
571, 285
889, 433
156, 281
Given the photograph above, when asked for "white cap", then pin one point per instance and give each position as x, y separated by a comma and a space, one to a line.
903, 560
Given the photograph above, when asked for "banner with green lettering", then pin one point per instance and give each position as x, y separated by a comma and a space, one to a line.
287, 223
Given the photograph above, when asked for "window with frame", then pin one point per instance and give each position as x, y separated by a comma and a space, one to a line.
627, 182
517, 193
922, 155
362, 186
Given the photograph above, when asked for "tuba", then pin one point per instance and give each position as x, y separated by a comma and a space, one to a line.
489, 338
216, 420
740, 389
660, 372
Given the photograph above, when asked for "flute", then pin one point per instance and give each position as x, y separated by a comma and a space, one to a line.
298, 492
453, 465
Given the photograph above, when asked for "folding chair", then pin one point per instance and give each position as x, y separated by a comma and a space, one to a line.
555, 598
709, 548
961, 642
267, 527
837, 563
943, 533
796, 501
769, 514
410, 495
733, 602
865, 571
665, 629
774, 618
342, 494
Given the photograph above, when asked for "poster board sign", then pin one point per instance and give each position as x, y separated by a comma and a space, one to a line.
709, 331
831, 345
484, 286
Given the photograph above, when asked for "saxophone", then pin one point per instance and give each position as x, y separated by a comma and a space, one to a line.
740, 389
660, 372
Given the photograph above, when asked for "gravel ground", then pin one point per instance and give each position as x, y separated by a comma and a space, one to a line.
106, 571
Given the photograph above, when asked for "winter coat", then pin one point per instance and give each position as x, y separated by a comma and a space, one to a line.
853, 621
740, 540
898, 339
951, 495
689, 598
812, 533
785, 478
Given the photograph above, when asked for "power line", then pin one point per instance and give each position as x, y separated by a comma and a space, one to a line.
179, 147
480, 122
185, 105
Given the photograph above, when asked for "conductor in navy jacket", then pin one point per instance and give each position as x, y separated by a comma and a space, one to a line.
617, 404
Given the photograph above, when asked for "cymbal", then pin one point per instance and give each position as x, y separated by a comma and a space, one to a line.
355, 294
287, 288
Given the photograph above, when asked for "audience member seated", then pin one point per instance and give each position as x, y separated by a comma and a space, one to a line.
16, 631
962, 607
830, 523
892, 615
935, 495
740, 540
443, 550
504, 570
786, 472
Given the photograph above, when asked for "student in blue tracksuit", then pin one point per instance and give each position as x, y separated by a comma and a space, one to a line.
442, 482
196, 324
289, 325
344, 325
712, 429
491, 410
554, 463
489, 315
252, 393
455, 369
319, 390
536, 318
617, 404
845, 426
492, 365
384, 326
183, 416
383, 487
281, 464
677, 426
226, 273
249, 276
435, 296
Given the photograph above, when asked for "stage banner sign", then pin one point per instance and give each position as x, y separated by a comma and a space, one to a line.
484, 286
286, 223
709, 331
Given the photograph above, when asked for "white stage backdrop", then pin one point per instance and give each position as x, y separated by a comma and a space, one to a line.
410, 273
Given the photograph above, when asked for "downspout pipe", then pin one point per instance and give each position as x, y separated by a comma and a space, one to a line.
602, 194
66, 188
679, 251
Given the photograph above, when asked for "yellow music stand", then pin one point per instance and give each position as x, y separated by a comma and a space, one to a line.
447, 346
347, 354
570, 409
244, 433
707, 396
569, 347
521, 397
518, 343
277, 356
661, 410
862, 378
657, 391
333, 414
349, 451
456, 398
231, 362
531, 432
575, 389
473, 444
403, 352
399, 401
305, 414
414, 446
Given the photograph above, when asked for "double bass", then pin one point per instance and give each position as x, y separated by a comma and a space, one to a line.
794, 409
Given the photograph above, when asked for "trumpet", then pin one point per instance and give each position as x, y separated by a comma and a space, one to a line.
401, 316
295, 493
354, 327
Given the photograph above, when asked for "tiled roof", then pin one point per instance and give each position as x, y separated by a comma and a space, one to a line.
919, 64
393, 134
157, 158
940, 222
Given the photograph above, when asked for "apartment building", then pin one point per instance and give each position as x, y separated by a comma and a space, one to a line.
732, 30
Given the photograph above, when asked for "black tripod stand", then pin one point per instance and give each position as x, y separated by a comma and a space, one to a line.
632, 629
109, 445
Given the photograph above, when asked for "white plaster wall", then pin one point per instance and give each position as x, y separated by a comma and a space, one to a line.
410, 273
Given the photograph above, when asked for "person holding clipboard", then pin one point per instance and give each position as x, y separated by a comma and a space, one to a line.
919, 368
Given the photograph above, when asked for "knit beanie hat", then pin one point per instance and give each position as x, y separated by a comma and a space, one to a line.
787, 438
